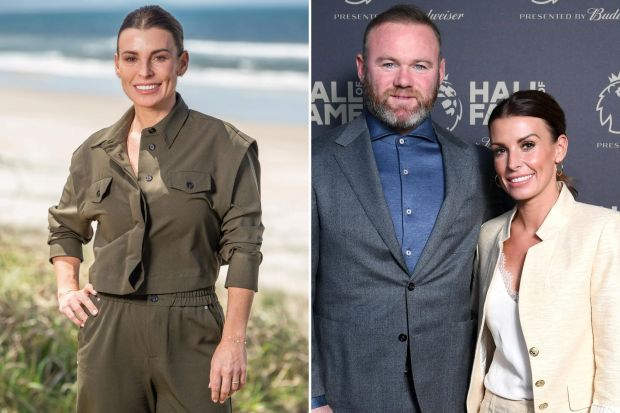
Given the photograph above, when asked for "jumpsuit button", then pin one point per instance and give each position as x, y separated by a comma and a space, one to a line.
148, 178
189, 184
402, 337
152, 130
154, 298
98, 193
151, 146
411, 286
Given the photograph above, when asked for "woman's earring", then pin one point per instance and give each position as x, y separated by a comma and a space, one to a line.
559, 169
497, 182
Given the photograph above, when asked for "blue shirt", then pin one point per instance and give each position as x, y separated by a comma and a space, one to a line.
411, 172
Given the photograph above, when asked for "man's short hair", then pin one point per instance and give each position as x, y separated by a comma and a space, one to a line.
401, 13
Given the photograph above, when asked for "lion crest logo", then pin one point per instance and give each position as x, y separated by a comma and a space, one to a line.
450, 103
609, 104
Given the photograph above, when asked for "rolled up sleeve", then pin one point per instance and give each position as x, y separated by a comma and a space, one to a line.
242, 229
68, 230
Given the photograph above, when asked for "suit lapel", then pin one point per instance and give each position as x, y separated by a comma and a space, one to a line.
457, 176
356, 160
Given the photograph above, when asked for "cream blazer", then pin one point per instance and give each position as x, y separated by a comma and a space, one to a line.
569, 308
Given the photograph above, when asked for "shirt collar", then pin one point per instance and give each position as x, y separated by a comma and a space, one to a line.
556, 218
169, 126
379, 130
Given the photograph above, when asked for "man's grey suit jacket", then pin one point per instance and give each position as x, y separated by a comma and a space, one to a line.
367, 309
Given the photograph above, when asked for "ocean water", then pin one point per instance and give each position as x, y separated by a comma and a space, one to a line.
248, 63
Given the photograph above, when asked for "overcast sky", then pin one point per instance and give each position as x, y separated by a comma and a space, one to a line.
45, 5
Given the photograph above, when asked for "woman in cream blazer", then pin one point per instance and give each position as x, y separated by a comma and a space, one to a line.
568, 276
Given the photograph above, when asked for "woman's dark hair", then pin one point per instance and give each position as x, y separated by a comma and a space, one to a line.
540, 105
148, 17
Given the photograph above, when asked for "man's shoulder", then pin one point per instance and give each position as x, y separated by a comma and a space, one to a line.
470, 153
325, 141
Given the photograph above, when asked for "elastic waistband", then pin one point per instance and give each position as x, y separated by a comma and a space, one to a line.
203, 296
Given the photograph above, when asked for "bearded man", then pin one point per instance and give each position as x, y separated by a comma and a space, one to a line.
397, 204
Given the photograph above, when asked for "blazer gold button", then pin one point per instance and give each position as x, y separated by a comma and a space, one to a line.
543, 406
540, 383
533, 351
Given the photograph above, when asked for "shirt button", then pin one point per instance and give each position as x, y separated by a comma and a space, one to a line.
408, 211
540, 383
411, 286
148, 178
408, 252
543, 406
402, 337
401, 141
154, 298
405, 171
189, 185
534, 351
151, 146
152, 130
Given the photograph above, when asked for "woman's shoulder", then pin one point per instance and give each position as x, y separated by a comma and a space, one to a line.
594, 217
494, 225
224, 130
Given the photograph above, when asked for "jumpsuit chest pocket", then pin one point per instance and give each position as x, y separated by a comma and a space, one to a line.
193, 185
191, 182
98, 190
92, 207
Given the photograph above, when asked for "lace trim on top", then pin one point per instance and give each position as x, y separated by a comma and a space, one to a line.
507, 277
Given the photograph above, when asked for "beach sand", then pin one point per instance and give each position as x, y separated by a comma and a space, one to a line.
41, 129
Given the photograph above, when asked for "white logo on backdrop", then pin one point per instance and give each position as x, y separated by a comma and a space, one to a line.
359, 1
544, 1
609, 104
450, 103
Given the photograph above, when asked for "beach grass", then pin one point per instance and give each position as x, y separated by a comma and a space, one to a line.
38, 345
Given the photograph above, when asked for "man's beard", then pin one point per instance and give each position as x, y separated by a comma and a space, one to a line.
378, 106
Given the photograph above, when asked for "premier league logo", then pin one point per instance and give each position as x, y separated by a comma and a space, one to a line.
608, 104
452, 108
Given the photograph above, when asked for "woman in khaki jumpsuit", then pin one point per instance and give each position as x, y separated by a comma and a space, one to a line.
175, 194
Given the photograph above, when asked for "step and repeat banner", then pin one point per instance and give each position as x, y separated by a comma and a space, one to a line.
568, 48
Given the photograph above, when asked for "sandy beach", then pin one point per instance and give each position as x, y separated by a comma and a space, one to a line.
41, 129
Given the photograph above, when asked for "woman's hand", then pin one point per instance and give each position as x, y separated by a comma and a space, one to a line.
74, 303
228, 368
229, 362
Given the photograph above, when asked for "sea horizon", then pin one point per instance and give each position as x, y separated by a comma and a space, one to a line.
254, 55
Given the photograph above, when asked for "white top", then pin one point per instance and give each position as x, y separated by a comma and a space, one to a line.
510, 374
